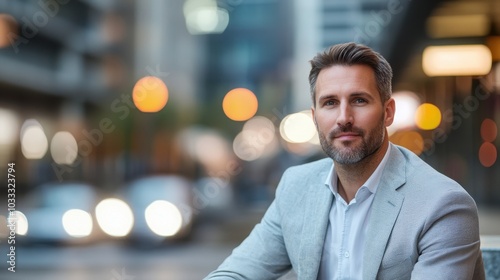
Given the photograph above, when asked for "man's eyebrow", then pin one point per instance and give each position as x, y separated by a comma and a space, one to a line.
354, 94
327, 96
362, 94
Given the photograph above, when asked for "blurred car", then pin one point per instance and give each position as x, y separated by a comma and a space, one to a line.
58, 213
162, 208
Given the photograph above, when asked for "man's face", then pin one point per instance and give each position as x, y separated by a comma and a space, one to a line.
349, 114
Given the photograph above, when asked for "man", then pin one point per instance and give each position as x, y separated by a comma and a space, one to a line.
377, 211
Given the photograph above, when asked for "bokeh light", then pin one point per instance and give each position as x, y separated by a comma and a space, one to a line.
257, 139
406, 106
21, 222
205, 17
8, 30
428, 116
240, 104
409, 139
298, 127
163, 218
489, 130
211, 149
9, 123
114, 217
487, 154
150, 94
34, 143
456, 60
261, 125
63, 148
4, 230
77, 223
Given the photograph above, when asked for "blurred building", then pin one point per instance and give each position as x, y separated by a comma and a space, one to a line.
71, 66
60, 60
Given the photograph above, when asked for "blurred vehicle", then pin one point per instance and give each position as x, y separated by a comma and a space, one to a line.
213, 198
162, 209
58, 213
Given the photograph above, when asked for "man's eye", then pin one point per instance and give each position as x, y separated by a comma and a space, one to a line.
329, 103
359, 100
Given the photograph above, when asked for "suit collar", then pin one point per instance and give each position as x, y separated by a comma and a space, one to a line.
385, 210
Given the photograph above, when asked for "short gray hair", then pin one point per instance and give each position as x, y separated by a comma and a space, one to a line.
349, 54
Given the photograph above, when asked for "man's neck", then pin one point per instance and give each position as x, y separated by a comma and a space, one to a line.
352, 176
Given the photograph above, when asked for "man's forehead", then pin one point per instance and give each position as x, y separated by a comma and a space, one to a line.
346, 80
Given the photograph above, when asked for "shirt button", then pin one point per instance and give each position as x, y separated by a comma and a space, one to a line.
346, 254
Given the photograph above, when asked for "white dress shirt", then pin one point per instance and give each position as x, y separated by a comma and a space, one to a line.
344, 243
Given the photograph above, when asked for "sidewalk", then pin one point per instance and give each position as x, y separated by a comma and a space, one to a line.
489, 227
489, 220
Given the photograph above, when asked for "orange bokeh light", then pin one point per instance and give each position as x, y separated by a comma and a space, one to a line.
487, 154
489, 130
411, 140
8, 30
150, 94
240, 104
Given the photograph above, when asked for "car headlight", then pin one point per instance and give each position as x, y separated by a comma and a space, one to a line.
163, 218
77, 223
114, 217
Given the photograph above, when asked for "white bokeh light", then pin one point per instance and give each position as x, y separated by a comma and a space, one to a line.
407, 103
9, 123
63, 148
114, 217
34, 143
298, 127
205, 17
21, 222
77, 223
257, 139
163, 218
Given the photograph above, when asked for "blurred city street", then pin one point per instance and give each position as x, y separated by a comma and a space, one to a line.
193, 259
210, 245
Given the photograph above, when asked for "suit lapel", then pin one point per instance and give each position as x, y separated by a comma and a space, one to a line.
316, 216
385, 210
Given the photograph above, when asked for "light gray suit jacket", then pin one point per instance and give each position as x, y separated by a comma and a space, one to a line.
423, 225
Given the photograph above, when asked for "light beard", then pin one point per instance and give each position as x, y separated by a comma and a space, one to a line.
352, 153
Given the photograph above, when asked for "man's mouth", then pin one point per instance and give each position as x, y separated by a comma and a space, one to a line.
346, 136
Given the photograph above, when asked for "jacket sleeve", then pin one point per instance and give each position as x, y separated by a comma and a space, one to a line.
262, 255
449, 247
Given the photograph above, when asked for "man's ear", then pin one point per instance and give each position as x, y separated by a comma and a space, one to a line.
390, 111
312, 114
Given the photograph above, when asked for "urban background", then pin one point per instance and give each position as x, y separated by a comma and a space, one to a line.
144, 139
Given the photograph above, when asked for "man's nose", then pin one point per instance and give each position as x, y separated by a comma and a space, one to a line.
345, 115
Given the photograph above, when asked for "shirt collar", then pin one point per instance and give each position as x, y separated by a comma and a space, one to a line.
371, 184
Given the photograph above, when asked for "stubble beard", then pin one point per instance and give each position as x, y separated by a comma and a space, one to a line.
352, 153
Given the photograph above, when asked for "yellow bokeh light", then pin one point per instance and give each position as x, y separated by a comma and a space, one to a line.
456, 60
150, 94
428, 116
240, 104
487, 154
